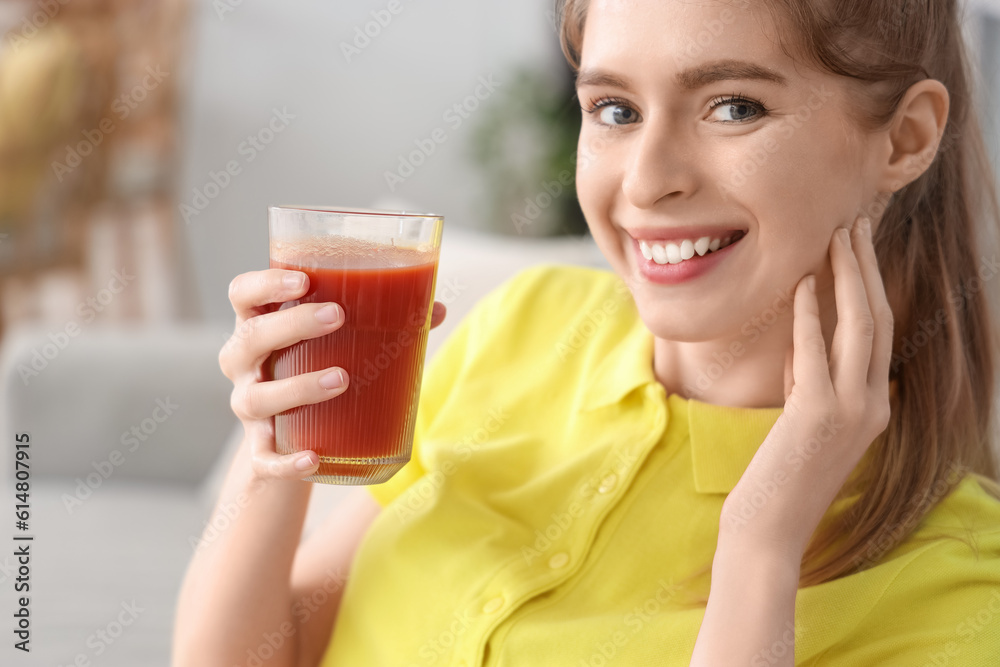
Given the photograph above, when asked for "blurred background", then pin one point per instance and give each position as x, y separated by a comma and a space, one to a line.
140, 143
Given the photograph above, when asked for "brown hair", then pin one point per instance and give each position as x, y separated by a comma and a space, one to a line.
942, 370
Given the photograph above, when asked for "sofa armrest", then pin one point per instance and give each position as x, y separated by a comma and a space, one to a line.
138, 402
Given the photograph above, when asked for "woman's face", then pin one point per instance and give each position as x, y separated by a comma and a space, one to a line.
697, 126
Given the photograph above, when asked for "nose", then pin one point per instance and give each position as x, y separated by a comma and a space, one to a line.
660, 166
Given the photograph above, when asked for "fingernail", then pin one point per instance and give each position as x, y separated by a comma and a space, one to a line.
328, 314
294, 281
845, 236
811, 284
333, 379
304, 463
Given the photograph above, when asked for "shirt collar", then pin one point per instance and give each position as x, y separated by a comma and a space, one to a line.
626, 365
723, 439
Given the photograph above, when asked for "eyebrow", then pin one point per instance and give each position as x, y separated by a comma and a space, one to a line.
692, 78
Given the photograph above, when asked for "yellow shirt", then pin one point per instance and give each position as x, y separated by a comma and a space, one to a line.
557, 496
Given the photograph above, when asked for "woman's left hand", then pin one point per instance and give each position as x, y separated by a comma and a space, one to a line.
833, 409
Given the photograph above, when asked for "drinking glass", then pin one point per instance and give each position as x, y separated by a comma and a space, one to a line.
381, 267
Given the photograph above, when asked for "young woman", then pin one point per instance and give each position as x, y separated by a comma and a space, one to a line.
764, 439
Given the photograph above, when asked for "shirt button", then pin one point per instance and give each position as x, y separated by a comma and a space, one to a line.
608, 483
493, 605
559, 560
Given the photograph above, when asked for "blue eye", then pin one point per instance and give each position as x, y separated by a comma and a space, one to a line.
613, 112
738, 109
618, 115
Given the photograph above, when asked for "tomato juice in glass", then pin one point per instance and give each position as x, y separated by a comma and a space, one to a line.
381, 268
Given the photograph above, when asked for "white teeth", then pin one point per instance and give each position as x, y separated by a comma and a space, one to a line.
674, 253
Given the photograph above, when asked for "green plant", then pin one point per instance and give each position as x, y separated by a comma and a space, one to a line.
525, 145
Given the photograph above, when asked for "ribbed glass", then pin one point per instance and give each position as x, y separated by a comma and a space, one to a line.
383, 276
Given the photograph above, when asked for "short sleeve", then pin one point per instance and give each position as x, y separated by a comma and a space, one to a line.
442, 376
943, 608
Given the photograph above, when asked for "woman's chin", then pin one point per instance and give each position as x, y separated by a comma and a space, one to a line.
682, 326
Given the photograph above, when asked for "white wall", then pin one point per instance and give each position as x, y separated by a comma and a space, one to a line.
352, 120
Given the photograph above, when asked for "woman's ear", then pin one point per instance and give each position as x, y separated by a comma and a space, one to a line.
915, 134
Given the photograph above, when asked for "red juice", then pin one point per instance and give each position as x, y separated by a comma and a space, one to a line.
364, 435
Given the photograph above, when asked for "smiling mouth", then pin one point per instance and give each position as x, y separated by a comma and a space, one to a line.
675, 252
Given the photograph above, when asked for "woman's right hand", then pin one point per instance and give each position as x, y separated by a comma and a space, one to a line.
261, 328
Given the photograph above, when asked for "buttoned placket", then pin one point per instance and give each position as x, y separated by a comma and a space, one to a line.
517, 582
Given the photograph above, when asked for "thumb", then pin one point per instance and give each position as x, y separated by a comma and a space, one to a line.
438, 314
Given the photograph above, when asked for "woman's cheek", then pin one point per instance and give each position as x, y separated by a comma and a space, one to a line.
596, 175
594, 158
748, 172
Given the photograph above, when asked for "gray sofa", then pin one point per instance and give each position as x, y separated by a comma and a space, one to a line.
114, 531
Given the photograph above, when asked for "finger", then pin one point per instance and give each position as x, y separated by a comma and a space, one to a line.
810, 368
261, 335
260, 400
789, 374
251, 292
850, 352
438, 314
267, 463
878, 304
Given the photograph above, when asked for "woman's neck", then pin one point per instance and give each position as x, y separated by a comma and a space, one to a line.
740, 371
